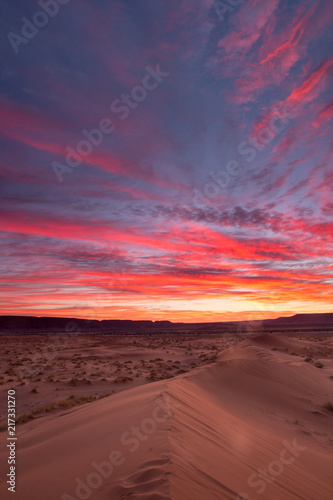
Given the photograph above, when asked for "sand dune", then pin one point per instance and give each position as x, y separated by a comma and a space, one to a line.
251, 425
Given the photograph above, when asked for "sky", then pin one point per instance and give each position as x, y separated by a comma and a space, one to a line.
166, 160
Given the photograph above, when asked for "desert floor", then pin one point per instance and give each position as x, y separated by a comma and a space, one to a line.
53, 372
170, 417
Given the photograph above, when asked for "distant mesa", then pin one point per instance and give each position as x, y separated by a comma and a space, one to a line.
48, 324
77, 325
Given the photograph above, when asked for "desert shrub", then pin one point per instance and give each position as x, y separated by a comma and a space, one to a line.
45, 408
122, 379
152, 375
24, 418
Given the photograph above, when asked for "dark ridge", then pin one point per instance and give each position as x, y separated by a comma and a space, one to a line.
306, 320
75, 325
72, 324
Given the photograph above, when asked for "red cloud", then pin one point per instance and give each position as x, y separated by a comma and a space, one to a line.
313, 85
325, 115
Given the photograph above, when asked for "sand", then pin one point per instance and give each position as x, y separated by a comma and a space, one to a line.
53, 372
249, 423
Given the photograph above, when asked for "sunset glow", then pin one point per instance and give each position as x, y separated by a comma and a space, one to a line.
204, 195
